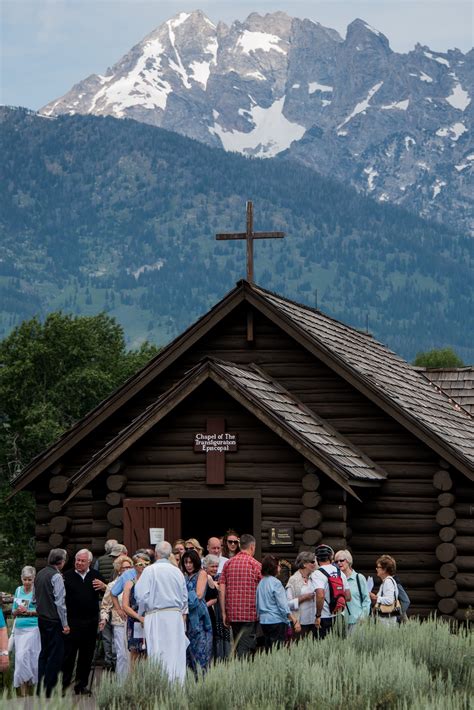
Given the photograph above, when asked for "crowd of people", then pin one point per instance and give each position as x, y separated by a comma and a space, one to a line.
180, 607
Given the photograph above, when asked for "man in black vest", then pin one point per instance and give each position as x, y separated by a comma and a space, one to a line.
83, 586
52, 619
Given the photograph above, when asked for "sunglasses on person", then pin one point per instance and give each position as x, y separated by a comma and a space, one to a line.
143, 563
189, 548
232, 542
338, 562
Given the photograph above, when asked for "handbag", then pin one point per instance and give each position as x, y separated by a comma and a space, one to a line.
394, 609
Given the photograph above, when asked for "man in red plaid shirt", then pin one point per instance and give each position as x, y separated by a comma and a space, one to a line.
237, 592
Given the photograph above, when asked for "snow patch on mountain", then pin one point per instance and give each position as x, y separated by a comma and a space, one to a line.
437, 187
200, 71
255, 75
272, 132
372, 29
400, 105
423, 77
146, 268
314, 86
178, 65
440, 60
140, 87
468, 161
254, 41
371, 175
454, 131
459, 98
361, 106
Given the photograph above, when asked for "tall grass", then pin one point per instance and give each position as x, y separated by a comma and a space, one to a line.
420, 665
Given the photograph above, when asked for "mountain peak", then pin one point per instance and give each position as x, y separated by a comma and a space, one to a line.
360, 32
354, 109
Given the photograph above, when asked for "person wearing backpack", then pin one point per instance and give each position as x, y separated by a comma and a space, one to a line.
332, 590
359, 606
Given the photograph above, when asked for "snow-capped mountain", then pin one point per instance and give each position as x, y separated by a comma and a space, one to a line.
396, 126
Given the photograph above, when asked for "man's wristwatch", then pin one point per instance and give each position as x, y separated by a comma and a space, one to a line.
318, 616
4, 653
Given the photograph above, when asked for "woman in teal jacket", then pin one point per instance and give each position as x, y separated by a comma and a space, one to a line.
359, 606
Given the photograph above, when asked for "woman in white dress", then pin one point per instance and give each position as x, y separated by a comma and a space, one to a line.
27, 642
118, 622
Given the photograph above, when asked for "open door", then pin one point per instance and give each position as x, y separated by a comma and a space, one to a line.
141, 514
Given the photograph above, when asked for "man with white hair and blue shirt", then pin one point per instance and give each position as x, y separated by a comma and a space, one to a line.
163, 599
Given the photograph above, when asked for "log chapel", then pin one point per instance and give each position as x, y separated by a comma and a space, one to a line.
270, 417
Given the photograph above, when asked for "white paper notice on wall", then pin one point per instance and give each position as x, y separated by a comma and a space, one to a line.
156, 535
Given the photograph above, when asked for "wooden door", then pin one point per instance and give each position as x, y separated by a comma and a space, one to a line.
141, 514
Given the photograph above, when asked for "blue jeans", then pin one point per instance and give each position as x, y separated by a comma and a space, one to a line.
51, 656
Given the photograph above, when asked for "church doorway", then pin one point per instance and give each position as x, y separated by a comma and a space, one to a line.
206, 514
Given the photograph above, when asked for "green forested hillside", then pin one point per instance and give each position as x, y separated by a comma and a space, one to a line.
104, 214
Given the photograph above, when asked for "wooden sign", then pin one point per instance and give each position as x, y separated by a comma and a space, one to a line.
281, 536
215, 442
220, 443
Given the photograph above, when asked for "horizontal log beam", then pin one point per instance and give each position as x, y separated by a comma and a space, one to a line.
464, 580
333, 511
59, 524
465, 527
445, 516
398, 524
116, 482
447, 534
333, 528
446, 587
448, 570
446, 500
58, 484
395, 543
442, 480
447, 605
464, 563
310, 518
114, 498
465, 598
311, 499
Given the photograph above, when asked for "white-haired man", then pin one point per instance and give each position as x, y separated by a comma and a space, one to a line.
214, 547
83, 585
163, 598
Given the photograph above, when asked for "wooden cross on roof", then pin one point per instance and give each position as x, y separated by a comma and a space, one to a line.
249, 235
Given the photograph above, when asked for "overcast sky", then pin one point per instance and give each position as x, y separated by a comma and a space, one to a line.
49, 45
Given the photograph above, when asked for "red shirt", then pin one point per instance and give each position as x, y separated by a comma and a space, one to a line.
241, 575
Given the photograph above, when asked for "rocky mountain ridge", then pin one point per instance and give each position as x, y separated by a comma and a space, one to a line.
398, 127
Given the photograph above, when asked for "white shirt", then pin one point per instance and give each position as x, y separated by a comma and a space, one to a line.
222, 561
320, 581
307, 609
162, 586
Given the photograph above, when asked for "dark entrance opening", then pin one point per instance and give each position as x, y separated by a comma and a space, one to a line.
203, 518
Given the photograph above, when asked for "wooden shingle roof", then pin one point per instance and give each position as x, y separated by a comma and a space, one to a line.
457, 382
315, 431
385, 373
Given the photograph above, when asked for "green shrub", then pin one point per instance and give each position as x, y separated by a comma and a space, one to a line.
420, 665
